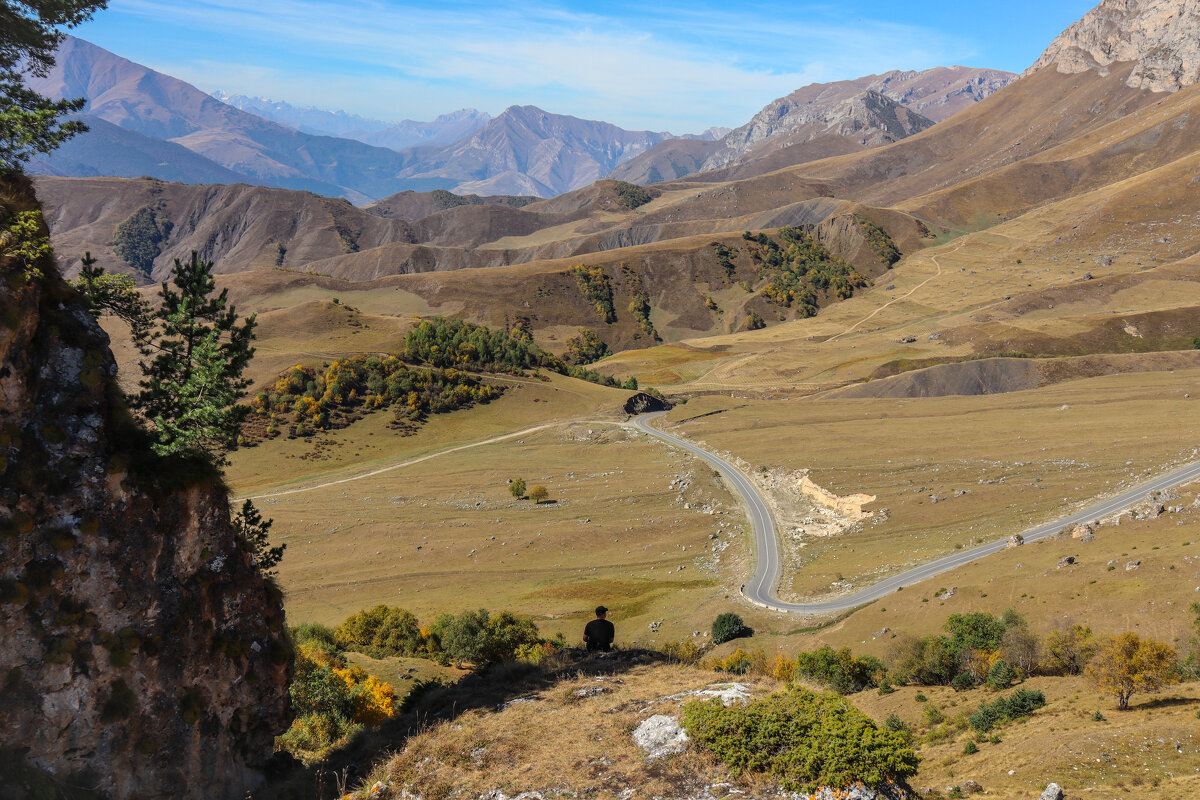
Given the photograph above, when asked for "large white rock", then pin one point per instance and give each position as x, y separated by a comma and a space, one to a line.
660, 736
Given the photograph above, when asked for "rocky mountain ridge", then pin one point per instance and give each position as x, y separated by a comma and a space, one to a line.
822, 120
1160, 37
872, 111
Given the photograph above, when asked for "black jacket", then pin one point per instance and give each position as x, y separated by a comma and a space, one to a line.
599, 634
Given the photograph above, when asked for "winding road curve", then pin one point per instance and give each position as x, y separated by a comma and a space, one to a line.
760, 589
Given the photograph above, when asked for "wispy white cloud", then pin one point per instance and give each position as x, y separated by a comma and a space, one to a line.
680, 67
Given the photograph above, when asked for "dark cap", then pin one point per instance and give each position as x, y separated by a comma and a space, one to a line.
601, 611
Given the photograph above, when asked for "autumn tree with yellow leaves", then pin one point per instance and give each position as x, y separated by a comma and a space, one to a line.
1127, 663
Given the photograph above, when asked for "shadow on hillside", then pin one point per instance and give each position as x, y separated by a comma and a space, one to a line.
1164, 702
487, 689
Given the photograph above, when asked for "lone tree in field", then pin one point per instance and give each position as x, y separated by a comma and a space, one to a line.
727, 626
517, 487
29, 123
1128, 663
539, 493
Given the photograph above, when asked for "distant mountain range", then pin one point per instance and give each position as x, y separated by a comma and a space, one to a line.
446, 129
145, 123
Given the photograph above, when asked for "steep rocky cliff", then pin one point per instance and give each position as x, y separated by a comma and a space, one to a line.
143, 654
1161, 37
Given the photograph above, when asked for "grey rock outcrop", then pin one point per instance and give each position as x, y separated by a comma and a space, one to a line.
869, 118
144, 654
1161, 38
1052, 792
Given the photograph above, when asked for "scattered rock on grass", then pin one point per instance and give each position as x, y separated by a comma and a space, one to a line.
1052, 792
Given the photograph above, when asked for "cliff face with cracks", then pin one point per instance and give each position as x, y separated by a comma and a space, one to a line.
1161, 38
143, 654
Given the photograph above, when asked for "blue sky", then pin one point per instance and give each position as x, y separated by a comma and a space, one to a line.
678, 66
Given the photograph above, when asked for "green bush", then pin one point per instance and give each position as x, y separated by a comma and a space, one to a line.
381, 632
1001, 675
312, 736
476, 637
962, 682
322, 636
802, 739
1020, 703
726, 627
840, 670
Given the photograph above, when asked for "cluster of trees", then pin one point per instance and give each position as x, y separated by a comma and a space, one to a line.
444, 199
879, 241
538, 494
586, 348
631, 195
725, 256
596, 287
442, 342
478, 638
979, 649
138, 240
347, 388
448, 343
799, 270
332, 699
965, 656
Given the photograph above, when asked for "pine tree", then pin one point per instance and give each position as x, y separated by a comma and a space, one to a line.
117, 295
194, 352
253, 533
29, 123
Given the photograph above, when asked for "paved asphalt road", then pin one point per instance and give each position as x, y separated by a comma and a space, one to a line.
760, 589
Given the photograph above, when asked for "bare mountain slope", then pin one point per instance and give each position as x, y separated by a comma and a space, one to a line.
139, 99
240, 227
109, 149
528, 151
413, 206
